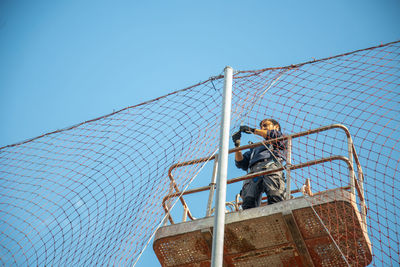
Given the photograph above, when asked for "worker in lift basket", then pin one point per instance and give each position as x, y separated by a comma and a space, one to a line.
261, 158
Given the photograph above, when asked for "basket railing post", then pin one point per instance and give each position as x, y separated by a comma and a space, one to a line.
351, 169
212, 187
288, 165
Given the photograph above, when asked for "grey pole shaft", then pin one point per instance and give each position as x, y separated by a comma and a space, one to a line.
219, 219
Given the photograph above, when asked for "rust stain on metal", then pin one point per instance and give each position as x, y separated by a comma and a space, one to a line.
263, 237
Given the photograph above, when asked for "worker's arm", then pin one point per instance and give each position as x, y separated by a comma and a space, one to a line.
267, 134
262, 133
240, 160
247, 129
236, 140
238, 156
272, 134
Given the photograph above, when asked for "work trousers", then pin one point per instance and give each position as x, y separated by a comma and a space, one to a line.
272, 184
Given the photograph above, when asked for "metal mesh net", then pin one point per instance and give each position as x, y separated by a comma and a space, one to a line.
91, 194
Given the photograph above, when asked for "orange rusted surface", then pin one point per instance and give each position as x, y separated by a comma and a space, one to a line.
323, 230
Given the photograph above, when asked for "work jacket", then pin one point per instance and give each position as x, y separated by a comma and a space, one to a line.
262, 153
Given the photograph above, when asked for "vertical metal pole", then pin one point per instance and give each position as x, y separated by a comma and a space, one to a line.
219, 218
212, 186
288, 165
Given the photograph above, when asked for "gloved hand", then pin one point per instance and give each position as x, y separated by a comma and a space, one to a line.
236, 138
247, 129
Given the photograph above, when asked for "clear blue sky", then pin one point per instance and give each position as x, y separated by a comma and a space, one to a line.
64, 62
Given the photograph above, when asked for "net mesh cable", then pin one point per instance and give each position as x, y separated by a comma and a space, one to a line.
91, 194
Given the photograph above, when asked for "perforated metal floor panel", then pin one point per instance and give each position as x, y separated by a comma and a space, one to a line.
289, 233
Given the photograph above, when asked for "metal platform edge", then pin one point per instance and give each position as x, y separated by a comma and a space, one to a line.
283, 207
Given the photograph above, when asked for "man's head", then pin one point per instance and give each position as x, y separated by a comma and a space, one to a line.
270, 124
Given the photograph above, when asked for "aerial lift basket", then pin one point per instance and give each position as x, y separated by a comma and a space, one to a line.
322, 229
